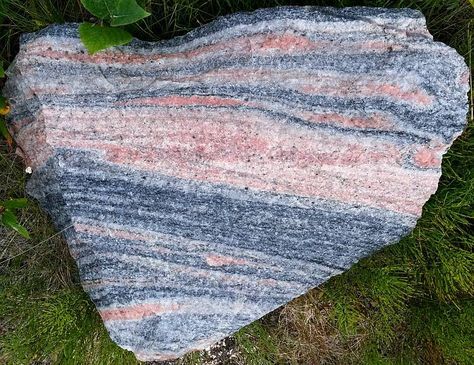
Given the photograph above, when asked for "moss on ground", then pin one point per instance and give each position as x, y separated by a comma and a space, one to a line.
411, 303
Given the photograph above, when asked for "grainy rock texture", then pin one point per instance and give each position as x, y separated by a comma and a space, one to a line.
206, 180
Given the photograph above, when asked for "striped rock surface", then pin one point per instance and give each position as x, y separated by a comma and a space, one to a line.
209, 179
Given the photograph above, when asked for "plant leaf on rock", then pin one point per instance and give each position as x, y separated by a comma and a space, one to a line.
98, 37
117, 12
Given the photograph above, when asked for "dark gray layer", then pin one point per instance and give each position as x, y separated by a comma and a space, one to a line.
306, 230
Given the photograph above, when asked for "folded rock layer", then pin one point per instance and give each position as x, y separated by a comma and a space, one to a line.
204, 181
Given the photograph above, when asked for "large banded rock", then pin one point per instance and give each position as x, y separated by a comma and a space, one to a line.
206, 180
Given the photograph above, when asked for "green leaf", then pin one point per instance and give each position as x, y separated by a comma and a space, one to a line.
15, 203
2, 71
128, 12
117, 12
97, 37
102, 9
99, 8
10, 221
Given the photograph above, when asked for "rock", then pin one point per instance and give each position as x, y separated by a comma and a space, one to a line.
204, 181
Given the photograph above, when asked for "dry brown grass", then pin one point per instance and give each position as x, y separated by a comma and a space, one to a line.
306, 332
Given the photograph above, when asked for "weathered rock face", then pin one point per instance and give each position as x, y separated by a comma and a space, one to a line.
206, 180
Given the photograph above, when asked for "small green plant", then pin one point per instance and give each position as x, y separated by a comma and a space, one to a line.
4, 109
115, 13
8, 207
8, 215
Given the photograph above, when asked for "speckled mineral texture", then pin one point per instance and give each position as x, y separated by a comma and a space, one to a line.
209, 179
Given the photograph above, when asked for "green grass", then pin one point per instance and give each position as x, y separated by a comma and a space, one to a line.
411, 303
